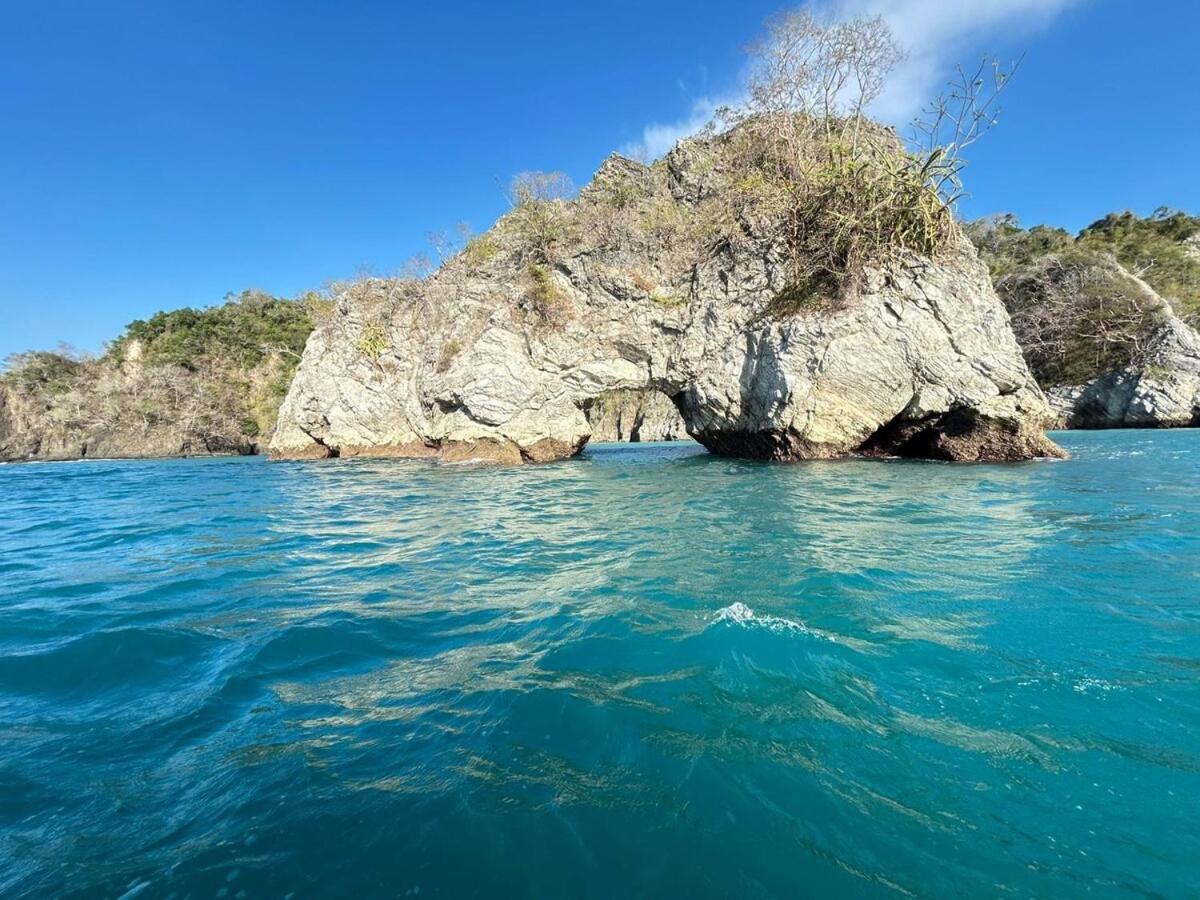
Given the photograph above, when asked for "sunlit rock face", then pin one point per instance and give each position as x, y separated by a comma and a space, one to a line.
1161, 392
1152, 379
99, 421
500, 354
634, 416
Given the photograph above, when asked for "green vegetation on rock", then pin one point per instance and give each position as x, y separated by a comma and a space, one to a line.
373, 341
1007, 247
1162, 249
546, 300
187, 381
1077, 305
242, 332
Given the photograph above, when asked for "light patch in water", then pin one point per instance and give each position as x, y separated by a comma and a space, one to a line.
1095, 684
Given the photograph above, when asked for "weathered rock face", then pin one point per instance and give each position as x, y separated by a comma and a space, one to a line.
1162, 391
498, 355
187, 382
634, 416
32, 430
1109, 351
118, 407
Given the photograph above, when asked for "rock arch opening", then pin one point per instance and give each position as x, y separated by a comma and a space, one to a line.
634, 416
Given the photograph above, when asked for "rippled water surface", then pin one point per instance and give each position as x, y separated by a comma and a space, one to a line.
645, 672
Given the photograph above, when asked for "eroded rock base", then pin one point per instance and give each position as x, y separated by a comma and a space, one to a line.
963, 436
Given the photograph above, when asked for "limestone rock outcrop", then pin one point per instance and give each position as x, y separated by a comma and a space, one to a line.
1161, 391
1107, 349
100, 424
634, 416
630, 287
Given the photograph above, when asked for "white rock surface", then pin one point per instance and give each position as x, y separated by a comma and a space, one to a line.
1162, 392
495, 358
634, 416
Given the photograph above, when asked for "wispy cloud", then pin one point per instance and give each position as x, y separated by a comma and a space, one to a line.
936, 33
933, 32
659, 137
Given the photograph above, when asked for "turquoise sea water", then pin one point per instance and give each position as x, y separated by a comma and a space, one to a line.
646, 672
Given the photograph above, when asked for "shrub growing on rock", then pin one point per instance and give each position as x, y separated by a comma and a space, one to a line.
373, 340
538, 215
186, 381
1077, 314
546, 300
845, 192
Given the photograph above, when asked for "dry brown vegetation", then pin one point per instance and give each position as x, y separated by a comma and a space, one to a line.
845, 192
540, 214
1077, 314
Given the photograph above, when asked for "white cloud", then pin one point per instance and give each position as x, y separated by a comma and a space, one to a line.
659, 137
936, 32
933, 32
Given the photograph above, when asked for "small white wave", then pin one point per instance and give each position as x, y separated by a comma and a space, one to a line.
740, 614
734, 612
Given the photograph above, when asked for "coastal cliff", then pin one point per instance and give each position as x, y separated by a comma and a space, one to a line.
682, 278
1106, 346
184, 383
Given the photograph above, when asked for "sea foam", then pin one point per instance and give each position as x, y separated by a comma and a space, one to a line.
739, 613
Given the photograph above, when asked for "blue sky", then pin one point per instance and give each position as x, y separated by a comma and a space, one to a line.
156, 155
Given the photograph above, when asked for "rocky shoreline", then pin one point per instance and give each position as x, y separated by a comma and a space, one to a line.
627, 327
1163, 391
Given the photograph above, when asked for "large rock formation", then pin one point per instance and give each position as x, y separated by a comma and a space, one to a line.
1162, 390
1107, 349
639, 285
184, 383
634, 416
31, 430
115, 410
